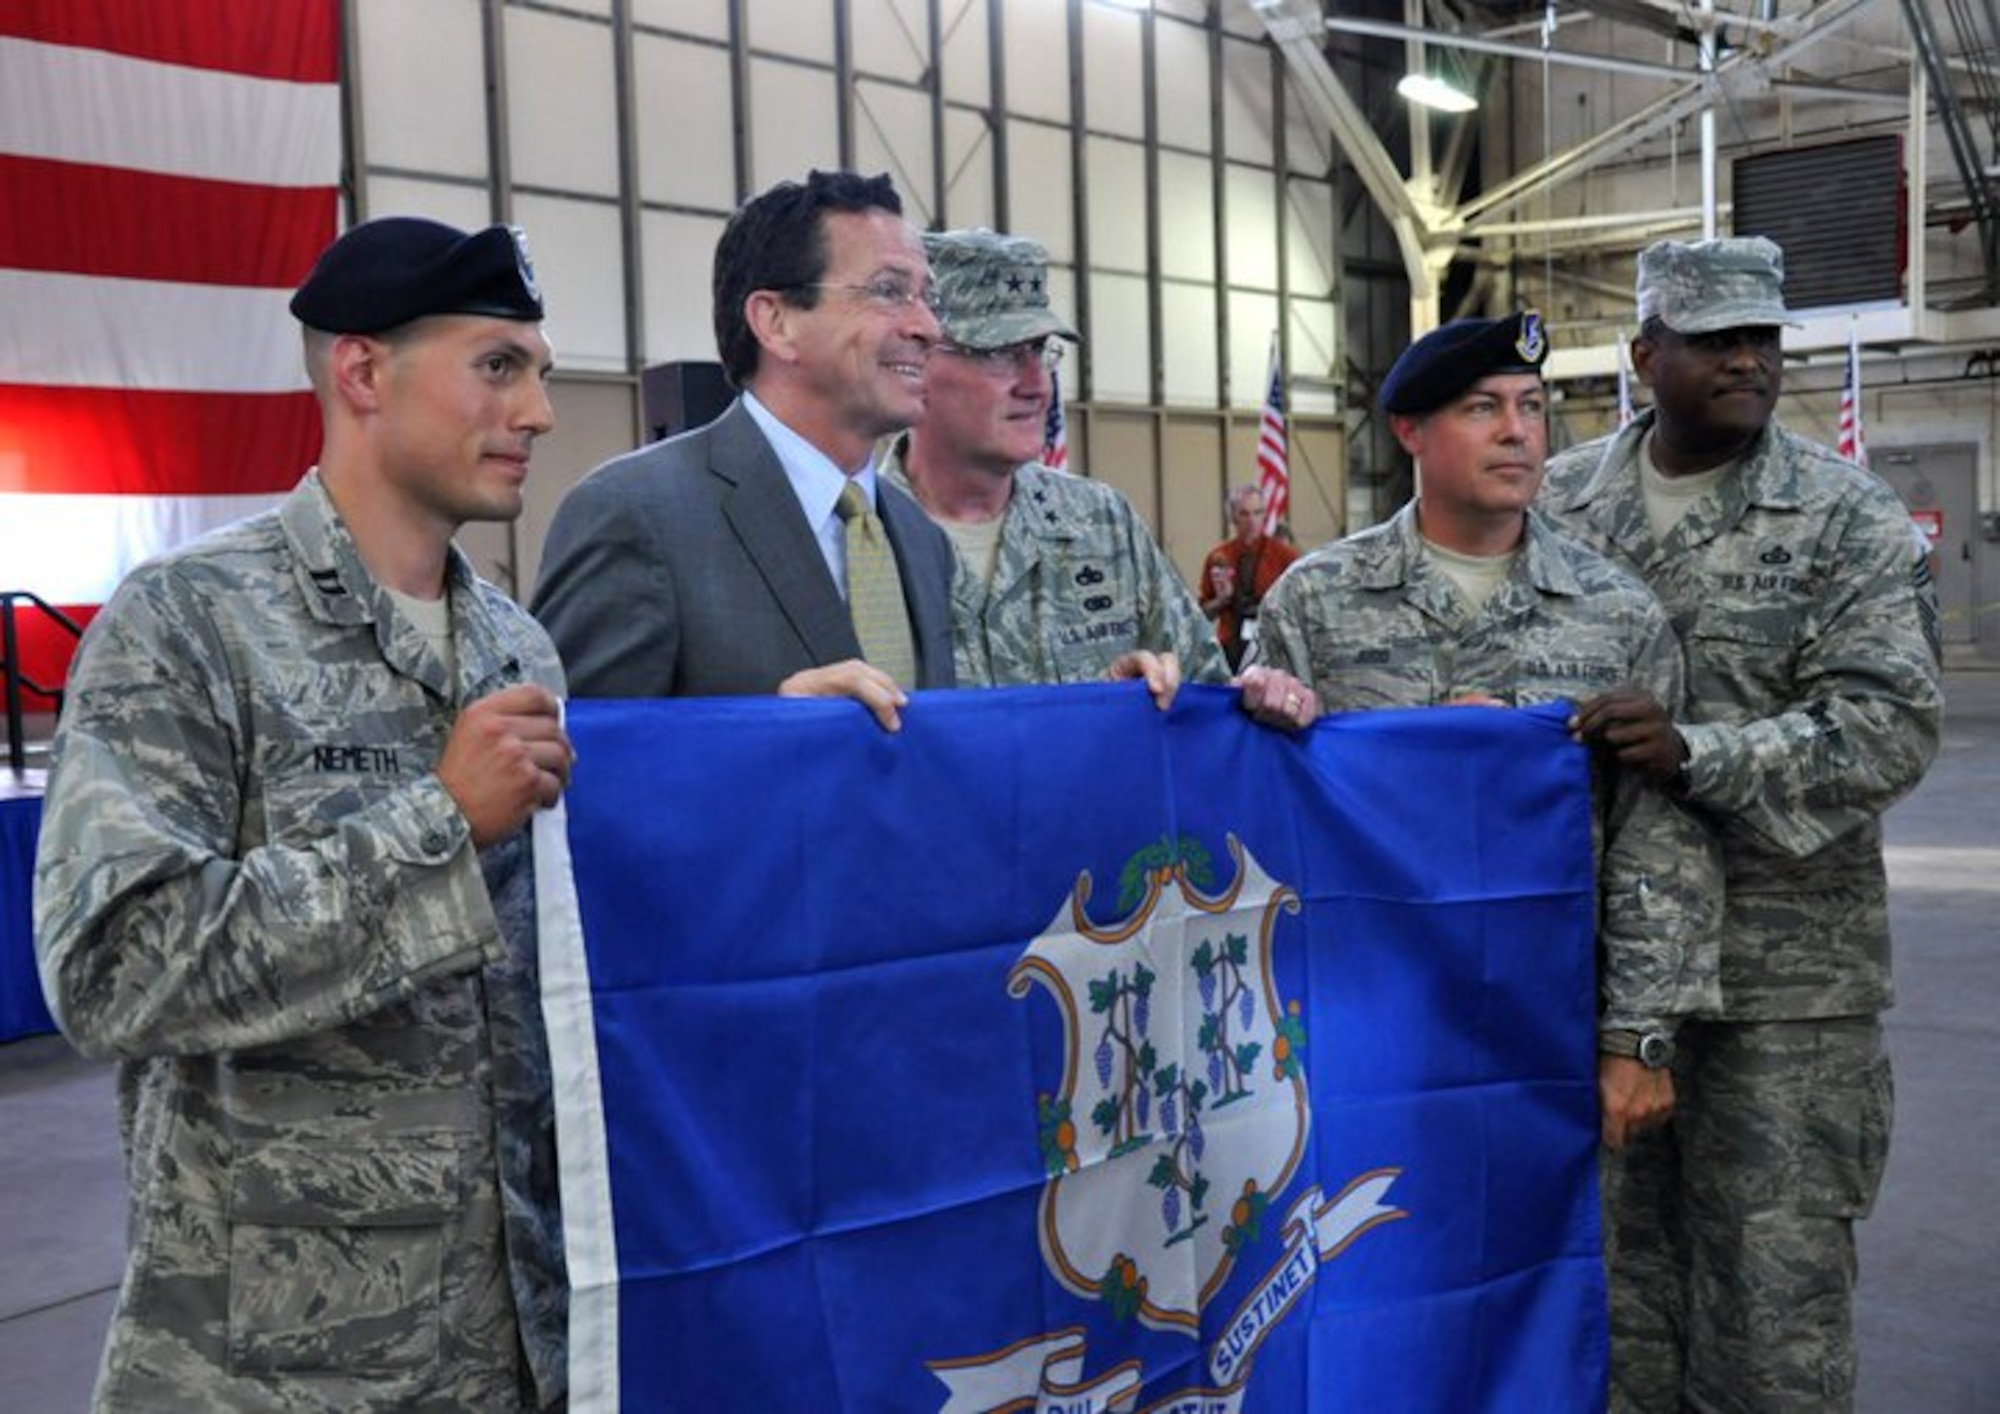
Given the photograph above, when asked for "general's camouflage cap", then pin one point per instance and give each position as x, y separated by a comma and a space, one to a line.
1737, 282
993, 290
386, 272
1452, 357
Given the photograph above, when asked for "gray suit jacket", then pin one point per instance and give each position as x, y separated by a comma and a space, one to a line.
687, 569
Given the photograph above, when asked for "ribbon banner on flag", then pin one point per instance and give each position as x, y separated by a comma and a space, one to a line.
169, 171
1057, 1054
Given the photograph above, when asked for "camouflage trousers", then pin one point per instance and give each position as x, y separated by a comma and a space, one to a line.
1729, 1235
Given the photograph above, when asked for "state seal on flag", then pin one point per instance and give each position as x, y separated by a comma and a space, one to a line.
1172, 1144
1174, 1032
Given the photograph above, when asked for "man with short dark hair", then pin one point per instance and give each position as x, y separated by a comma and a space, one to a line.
762, 553
1238, 573
1813, 705
284, 879
1467, 595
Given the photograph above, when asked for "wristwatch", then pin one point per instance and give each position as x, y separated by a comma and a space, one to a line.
1652, 1049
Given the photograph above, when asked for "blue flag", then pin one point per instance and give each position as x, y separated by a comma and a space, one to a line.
1058, 1054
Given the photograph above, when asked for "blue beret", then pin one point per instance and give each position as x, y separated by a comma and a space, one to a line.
386, 272
1451, 358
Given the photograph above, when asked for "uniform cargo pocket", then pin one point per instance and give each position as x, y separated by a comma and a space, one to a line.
1848, 1127
336, 1255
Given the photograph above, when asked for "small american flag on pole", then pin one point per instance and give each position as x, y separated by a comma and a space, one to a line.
1055, 437
1853, 445
1624, 382
1274, 477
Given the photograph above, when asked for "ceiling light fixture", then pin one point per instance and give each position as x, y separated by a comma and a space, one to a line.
1433, 91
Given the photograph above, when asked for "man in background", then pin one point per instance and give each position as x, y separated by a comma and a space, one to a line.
1239, 572
1813, 705
762, 553
1467, 595
1058, 579
284, 881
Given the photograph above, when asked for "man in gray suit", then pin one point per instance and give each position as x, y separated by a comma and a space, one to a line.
714, 563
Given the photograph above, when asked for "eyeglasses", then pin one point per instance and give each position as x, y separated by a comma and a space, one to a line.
1009, 359
891, 293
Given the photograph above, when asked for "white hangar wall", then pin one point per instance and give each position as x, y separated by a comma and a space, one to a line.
1188, 205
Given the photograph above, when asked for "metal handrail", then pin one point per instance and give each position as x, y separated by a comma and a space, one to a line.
10, 669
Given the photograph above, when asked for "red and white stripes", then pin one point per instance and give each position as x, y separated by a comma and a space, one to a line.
169, 171
1274, 475
1853, 441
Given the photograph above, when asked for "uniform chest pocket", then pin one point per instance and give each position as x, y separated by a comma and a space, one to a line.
1744, 666
320, 759
1082, 645
336, 1254
309, 788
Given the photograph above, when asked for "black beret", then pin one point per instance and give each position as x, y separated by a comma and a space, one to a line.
1451, 358
387, 272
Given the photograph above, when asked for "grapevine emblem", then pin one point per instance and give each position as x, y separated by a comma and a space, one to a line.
1172, 1027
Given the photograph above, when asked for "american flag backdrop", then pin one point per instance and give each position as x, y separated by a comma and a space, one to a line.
169, 171
1274, 476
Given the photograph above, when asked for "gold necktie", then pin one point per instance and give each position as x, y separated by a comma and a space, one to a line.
875, 591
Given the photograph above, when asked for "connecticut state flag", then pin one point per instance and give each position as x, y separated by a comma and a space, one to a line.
1057, 1054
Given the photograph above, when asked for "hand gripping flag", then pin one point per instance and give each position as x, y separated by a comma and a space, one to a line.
1058, 1054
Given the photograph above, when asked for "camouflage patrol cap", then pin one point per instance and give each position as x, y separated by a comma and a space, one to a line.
1737, 282
992, 289
386, 272
1452, 357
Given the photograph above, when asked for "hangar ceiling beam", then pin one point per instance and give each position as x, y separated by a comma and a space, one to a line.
1298, 29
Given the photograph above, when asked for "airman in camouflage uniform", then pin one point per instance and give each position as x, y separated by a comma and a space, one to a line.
1813, 704
1381, 619
283, 880
1058, 580
1078, 583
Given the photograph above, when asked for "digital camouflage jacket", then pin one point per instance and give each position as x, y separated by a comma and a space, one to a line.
1080, 581
1368, 622
1813, 697
254, 893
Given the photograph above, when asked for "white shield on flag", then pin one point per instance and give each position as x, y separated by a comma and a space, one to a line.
1183, 1112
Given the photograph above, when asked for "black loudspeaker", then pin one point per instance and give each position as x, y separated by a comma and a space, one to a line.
680, 396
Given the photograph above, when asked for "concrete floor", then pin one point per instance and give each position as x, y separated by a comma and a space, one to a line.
1930, 1294
1929, 1314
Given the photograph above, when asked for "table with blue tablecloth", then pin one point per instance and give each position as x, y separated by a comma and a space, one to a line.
22, 1012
